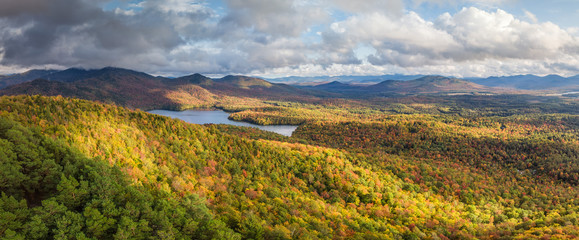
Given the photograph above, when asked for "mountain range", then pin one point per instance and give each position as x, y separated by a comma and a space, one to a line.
531, 82
521, 82
422, 85
365, 80
140, 90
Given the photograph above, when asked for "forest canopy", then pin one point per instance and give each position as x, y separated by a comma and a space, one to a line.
81, 169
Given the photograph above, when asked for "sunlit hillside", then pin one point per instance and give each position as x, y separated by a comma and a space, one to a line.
227, 186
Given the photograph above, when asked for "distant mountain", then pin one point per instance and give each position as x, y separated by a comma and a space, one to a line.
334, 85
191, 79
243, 86
530, 82
245, 82
337, 87
427, 84
518, 82
308, 81
14, 79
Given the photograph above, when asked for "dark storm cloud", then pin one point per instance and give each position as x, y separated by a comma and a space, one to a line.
37, 25
64, 31
13, 8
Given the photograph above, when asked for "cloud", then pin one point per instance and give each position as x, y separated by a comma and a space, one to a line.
405, 41
500, 35
53, 33
470, 35
483, 3
532, 17
263, 36
277, 18
390, 7
13, 8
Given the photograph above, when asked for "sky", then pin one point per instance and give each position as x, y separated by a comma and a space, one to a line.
278, 38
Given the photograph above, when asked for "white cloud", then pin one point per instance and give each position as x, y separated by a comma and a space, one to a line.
500, 35
176, 6
531, 17
279, 18
390, 7
405, 41
483, 3
471, 36
129, 12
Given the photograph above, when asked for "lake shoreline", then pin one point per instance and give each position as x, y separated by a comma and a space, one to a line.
220, 116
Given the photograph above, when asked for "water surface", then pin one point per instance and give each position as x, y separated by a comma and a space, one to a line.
220, 117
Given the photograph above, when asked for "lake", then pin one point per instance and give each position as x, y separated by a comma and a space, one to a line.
220, 117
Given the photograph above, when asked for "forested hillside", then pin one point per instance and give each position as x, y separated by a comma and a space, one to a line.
109, 172
50, 190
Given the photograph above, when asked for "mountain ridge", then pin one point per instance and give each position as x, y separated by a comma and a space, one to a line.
140, 90
423, 85
523, 82
135, 89
530, 82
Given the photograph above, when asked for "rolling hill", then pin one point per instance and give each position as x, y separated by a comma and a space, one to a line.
75, 168
191, 181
